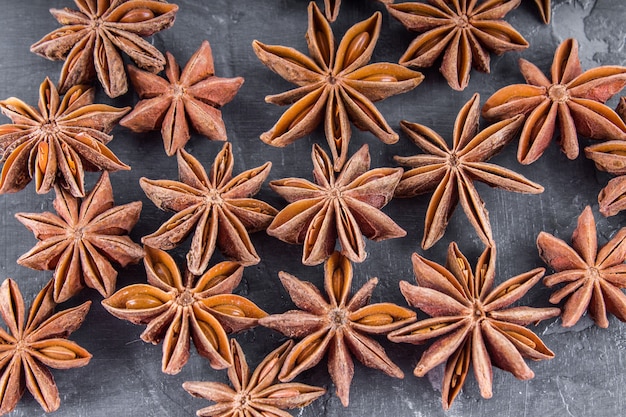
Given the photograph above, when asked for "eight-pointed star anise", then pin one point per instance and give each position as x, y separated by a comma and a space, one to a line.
451, 172
339, 326
203, 310
91, 36
335, 85
472, 321
465, 29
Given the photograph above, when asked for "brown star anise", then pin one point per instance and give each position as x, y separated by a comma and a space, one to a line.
545, 10
594, 278
471, 321
80, 243
467, 31
338, 326
574, 98
57, 142
451, 172
342, 207
28, 349
91, 36
176, 311
257, 395
334, 85
331, 8
193, 96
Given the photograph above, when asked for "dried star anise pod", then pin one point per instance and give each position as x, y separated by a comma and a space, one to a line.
465, 30
81, 241
339, 326
334, 85
545, 9
191, 97
451, 173
471, 321
91, 36
257, 395
573, 97
342, 207
331, 8
203, 310
594, 278
217, 206
29, 349
57, 142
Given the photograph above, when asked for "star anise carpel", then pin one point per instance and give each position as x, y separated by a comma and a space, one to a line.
331, 8
545, 10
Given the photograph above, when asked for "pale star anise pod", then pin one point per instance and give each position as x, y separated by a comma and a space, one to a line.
81, 241
472, 321
573, 97
57, 142
191, 97
92, 36
338, 326
175, 311
450, 172
344, 206
29, 348
217, 206
334, 85
259, 394
464, 31
594, 278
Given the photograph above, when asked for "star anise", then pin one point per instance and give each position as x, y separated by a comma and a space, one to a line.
203, 310
91, 36
256, 395
338, 326
193, 96
57, 142
335, 85
464, 29
594, 278
331, 8
573, 97
217, 206
81, 241
342, 207
471, 321
28, 349
545, 10
451, 172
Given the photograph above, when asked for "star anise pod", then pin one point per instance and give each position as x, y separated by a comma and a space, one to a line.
465, 29
335, 85
191, 97
573, 97
57, 142
594, 278
92, 36
331, 8
339, 326
256, 395
342, 207
29, 349
81, 241
217, 206
451, 172
545, 10
472, 321
203, 310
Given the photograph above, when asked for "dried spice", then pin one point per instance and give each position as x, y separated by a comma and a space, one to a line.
545, 10
191, 97
342, 207
203, 310
334, 85
29, 349
462, 30
339, 326
573, 97
92, 37
331, 8
471, 321
57, 142
451, 172
257, 395
217, 206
